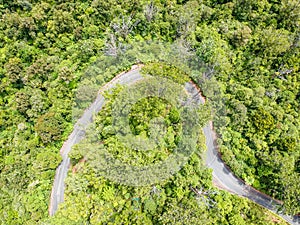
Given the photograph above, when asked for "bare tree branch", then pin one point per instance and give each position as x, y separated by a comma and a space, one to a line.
150, 11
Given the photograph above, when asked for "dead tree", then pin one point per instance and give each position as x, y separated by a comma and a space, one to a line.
124, 27
205, 196
150, 11
112, 48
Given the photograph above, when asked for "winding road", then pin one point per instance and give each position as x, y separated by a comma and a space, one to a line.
222, 176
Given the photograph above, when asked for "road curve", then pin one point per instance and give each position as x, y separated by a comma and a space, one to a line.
222, 175
57, 193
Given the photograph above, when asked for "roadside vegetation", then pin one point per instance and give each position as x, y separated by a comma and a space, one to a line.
249, 48
188, 197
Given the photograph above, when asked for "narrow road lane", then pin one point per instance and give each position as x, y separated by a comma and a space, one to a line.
57, 193
221, 174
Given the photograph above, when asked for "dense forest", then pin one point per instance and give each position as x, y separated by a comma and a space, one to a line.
250, 48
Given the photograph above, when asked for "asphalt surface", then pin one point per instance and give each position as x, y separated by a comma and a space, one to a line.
58, 188
226, 180
222, 175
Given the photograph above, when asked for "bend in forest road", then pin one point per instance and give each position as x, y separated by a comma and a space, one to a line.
222, 175
225, 179
57, 193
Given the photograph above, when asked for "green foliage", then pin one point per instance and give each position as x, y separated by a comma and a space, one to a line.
164, 70
263, 120
170, 202
149, 117
187, 197
49, 127
145, 110
250, 47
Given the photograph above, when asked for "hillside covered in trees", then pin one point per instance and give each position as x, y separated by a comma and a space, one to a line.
249, 48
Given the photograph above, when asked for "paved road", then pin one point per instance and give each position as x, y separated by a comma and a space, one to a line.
57, 193
225, 179
222, 176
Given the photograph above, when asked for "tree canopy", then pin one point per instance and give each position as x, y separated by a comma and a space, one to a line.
247, 55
